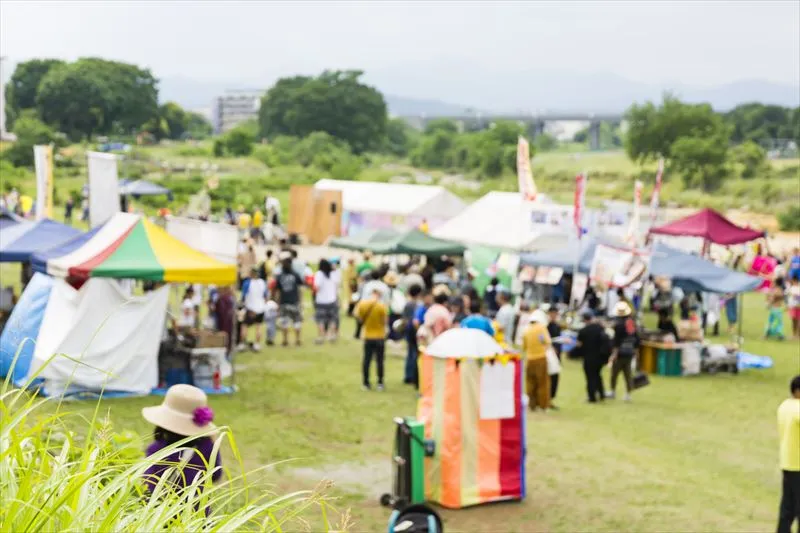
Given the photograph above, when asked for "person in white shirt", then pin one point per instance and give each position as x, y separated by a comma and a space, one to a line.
326, 301
188, 310
254, 296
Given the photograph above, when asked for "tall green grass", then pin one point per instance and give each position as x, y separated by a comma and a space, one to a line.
60, 471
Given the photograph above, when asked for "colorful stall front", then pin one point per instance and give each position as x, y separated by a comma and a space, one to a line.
471, 407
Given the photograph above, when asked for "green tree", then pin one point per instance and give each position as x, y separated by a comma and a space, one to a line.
506, 132
400, 137
198, 126
751, 157
441, 124
334, 102
176, 119
652, 130
701, 160
545, 142
76, 100
21, 90
30, 131
758, 122
239, 141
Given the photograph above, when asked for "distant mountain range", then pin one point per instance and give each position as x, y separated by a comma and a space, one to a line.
457, 91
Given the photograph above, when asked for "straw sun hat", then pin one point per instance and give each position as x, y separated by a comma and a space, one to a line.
539, 317
391, 278
622, 309
184, 411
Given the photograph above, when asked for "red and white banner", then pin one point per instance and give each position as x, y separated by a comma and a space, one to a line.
654, 200
633, 228
580, 199
524, 175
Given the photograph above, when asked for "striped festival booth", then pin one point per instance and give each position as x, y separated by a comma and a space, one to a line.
472, 407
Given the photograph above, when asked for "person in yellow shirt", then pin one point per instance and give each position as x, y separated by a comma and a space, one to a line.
535, 342
244, 221
789, 437
423, 226
350, 278
258, 223
372, 313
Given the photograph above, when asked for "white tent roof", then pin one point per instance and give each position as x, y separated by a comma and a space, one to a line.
464, 343
503, 220
395, 198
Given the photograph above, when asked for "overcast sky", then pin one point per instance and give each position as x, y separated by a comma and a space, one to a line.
698, 43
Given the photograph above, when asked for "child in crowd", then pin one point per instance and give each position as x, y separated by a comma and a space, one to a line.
184, 413
271, 318
188, 309
775, 301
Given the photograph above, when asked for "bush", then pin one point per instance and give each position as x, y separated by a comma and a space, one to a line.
789, 220
219, 148
53, 479
30, 131
239, 142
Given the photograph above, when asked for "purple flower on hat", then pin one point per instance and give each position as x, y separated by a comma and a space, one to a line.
203, 416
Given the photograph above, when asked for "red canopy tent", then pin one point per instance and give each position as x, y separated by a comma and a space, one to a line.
710, 226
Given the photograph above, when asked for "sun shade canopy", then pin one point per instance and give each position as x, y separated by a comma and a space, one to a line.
131, 247
710, 226
390, 242
20, 241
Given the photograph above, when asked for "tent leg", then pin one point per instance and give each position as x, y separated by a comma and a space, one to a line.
740, 340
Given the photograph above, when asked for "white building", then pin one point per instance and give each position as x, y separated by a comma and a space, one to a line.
235, 107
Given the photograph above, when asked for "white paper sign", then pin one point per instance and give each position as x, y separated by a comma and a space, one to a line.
217, 240
497, 391
103, 187
614, 267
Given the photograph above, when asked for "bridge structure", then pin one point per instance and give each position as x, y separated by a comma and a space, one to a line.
534, 123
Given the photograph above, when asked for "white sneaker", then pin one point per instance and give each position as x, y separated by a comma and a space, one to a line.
256, 347
626, 398
610, 395
380, 388
241, 347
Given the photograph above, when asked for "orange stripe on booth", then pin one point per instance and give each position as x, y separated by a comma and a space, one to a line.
451, 438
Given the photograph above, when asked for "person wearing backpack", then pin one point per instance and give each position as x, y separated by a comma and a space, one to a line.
625, 347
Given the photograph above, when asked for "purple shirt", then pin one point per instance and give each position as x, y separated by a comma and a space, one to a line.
194, 466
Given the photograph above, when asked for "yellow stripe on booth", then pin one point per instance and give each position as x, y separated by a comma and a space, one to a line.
183, 263
470, 415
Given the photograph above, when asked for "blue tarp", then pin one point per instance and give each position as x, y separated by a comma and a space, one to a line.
22, 329
8, 219
18, 245
137, 188
39, 259
693, 273
687, 271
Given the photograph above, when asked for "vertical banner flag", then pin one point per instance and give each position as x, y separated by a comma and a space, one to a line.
633, 228
580, 197
43, 163
654, 200
103, 187
524, 175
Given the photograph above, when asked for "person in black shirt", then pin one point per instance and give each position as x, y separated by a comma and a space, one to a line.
490, 298
666, 325
290, 314
555, 331
626, 346
593, 345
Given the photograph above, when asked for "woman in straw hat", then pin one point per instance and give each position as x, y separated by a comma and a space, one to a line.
183, 413
625, 347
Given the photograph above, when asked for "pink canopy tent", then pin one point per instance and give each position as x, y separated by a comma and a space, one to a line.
710, 226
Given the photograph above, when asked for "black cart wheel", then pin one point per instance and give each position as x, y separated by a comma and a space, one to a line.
386, 500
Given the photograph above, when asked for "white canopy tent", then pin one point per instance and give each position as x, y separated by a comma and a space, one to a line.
504, 220
373, 205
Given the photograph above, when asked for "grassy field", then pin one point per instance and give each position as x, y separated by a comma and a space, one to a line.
689, 454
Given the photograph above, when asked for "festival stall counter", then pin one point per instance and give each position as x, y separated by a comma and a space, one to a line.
117, 336
472, 407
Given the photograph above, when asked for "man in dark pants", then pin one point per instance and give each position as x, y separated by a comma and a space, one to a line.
593, 345
789, 435
555, 331
372, 314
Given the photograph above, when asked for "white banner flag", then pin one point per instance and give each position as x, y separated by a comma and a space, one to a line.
617, 267
632, 238
103, 187
43, 163
217, 240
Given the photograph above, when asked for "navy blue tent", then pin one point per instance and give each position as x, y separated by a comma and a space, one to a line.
693, 273
8, 219
39, 259
37, 236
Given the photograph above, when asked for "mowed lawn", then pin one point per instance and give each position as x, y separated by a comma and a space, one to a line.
689, 454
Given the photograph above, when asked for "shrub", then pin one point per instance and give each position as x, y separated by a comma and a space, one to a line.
789, 220
219, 148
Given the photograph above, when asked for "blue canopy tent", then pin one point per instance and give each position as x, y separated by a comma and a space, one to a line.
693, 273
687, 271
18, 243
8, 219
